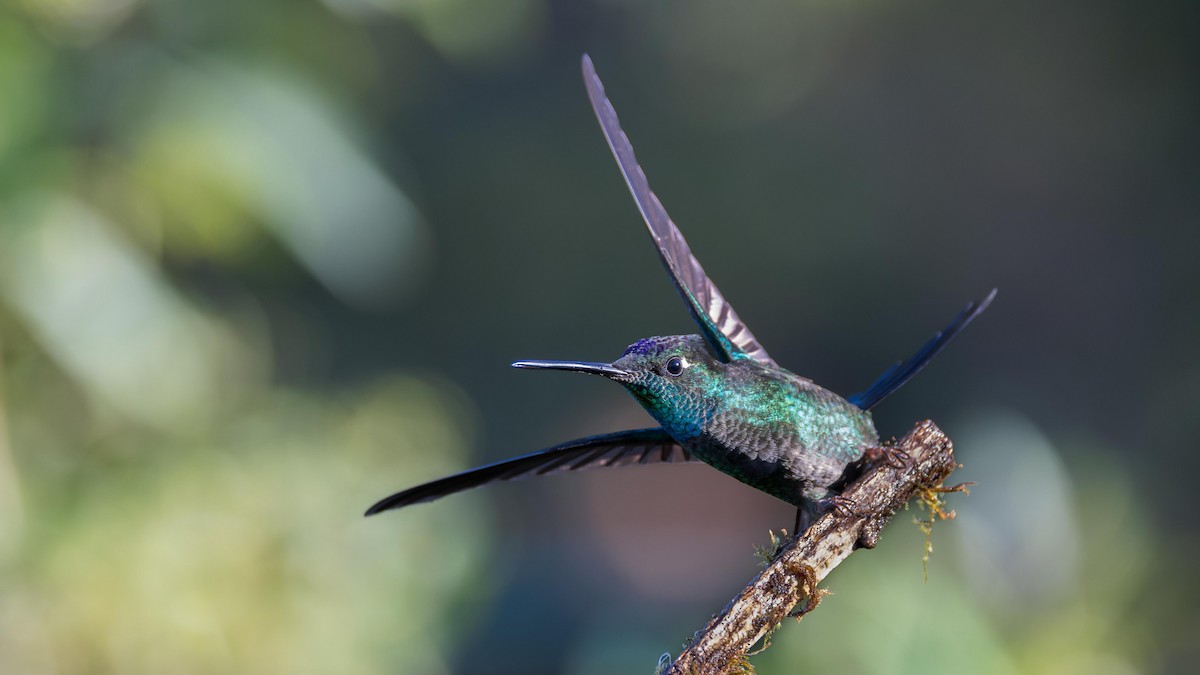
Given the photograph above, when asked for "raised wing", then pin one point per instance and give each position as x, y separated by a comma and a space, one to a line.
719, 324
902, 372
639, 446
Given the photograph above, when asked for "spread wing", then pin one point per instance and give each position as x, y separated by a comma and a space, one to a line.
624, 448
719, 324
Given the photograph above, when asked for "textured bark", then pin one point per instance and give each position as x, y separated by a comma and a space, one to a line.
793, 574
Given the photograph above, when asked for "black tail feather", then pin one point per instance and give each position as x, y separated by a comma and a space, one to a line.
896, 376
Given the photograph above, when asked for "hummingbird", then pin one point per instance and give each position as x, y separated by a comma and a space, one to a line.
717, 396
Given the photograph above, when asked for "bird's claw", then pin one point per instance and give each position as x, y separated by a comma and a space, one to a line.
890, 454
843, 506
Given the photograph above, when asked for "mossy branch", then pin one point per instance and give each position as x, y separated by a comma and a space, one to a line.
791, 577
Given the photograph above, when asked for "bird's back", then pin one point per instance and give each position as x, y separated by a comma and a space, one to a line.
783, 434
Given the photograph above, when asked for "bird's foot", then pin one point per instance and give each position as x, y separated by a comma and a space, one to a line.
843, 506
893, 456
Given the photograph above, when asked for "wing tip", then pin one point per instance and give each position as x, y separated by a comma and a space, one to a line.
983, 304
388, 503
590, 77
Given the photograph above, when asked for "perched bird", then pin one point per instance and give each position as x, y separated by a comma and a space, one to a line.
719, 398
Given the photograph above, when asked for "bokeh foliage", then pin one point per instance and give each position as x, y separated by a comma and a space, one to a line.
263, 262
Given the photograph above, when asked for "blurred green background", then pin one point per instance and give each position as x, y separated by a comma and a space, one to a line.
262, 263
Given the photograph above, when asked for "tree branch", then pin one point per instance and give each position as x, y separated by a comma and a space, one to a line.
793, 574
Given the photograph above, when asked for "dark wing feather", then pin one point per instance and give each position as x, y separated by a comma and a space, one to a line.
720, 325
897, 375
639, 446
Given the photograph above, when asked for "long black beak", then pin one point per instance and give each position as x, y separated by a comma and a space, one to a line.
605, 369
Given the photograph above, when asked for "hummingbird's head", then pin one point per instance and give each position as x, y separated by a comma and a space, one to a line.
675, 378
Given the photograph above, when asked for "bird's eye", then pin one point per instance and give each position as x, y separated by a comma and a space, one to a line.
675, 366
